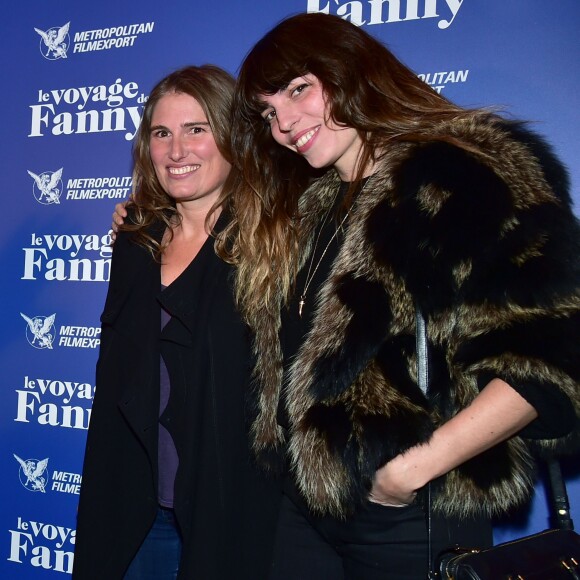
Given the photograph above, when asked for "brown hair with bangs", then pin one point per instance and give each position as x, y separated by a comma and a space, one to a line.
366, 87
213, 89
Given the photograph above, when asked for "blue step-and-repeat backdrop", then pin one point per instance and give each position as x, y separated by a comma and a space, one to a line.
75, 77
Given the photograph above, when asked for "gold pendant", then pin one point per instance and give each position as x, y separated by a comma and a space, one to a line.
301, 305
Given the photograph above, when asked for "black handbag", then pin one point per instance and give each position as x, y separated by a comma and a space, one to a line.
553, 554
550, 555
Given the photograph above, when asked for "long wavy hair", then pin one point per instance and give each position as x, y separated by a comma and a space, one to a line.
366, 87
213, 89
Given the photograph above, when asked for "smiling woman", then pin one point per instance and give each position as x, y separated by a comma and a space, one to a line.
187, 161
369, 196
299, 118
169, 489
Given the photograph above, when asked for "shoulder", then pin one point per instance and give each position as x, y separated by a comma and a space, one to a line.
132, 267
542, 153
471, 169
485, 153
129, 252
128, 238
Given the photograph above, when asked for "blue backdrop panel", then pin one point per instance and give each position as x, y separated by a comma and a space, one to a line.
75, 78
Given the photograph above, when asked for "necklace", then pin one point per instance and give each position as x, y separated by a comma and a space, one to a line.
311, 273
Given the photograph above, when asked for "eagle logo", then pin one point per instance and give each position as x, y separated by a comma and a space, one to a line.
54, 42
32, 473
39, 330
47, 186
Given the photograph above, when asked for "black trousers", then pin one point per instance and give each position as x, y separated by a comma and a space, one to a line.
377, 543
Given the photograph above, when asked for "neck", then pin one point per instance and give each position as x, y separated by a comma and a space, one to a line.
349, 174
189, 235
193, 220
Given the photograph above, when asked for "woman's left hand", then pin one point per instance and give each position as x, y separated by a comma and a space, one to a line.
396, 483
498, 412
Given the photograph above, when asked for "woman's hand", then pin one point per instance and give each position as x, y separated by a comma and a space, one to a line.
119, 216
397, 482
497, 413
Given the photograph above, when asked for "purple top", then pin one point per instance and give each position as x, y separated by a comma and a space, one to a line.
167, 458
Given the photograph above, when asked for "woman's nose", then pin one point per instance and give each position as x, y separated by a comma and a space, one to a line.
286, 118
178, 149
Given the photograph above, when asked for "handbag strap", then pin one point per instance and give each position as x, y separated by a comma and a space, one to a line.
423, 382
422, 351
558, 497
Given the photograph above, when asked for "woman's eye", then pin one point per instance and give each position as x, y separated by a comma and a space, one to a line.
197, 130
299, 89
269, 116
160, 133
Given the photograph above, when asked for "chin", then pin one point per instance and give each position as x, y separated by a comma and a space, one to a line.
318, 163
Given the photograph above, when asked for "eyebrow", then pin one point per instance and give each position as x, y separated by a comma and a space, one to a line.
274, 92
196, 123
185, 125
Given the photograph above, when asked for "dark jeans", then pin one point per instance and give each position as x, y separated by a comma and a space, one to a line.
159, 554
378, 543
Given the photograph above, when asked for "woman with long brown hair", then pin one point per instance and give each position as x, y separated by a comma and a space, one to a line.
169, 488
368, 196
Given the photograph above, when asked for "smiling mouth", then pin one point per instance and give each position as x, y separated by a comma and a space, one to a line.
306, 138
183, 170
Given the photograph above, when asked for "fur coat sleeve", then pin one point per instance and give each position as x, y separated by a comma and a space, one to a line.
495, 241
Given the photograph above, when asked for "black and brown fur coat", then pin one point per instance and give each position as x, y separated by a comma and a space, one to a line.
487, 246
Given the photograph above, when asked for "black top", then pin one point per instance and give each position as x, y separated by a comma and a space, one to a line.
315, 271
225, 508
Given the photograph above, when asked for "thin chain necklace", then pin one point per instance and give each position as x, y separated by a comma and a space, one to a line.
311, 273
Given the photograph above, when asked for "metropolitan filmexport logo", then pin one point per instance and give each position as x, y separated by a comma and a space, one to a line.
47, 187
54, 42
40, 330
32, 473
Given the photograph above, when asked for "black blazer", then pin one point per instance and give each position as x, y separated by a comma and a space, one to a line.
225, 508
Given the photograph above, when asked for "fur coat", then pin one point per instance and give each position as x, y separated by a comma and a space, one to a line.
486, 244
